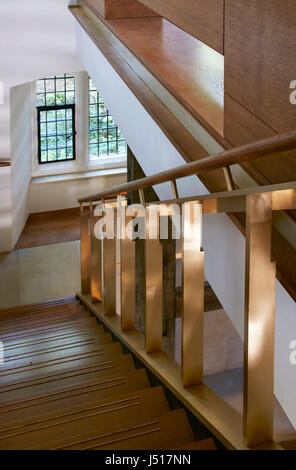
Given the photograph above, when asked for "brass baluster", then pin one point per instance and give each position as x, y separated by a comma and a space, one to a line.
85, 251
109, 269
154, 282
96, 258
127, 270
193, 296
259, 321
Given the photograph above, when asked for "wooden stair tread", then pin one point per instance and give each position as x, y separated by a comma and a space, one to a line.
39, 345
44, 317
55, 354
47, 325
42, 350
76, 421
97, 390
167, 430
145, 395
65, 381
37, 336
107, 347
20, 309
65, 364
45, 313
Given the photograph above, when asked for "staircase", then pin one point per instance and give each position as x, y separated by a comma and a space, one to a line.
65, 384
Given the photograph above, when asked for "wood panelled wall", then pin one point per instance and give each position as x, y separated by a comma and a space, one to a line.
203, 19
258, 41
260, 50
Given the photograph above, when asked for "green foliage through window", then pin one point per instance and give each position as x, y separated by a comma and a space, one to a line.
104, 136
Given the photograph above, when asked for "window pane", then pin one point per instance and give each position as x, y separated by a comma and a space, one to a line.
103, 149
50, 99
40, 86
61, 127
112, 147
60, 84
94, 150
40, 100
51, 128
104, 136
44, 157
57, 136
70, 97
50, 85
56, 130
61, 97
122, 147
43, 129
61, 114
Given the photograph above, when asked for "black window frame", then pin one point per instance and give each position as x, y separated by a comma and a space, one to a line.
56, 108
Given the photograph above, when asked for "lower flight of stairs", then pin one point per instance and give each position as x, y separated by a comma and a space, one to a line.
66, 385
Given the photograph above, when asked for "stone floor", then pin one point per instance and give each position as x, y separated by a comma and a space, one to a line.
39, 274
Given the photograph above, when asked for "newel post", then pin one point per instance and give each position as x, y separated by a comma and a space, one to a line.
259, 321
85, 251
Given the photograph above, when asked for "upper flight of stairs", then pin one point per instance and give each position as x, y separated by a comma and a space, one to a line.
66, 385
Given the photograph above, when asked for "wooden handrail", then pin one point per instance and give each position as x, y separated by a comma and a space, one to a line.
2, 163
263, 148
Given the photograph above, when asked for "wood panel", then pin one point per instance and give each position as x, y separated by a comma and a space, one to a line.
126, 9
203, 19
191, 71
260, 44
111, 9
243, 127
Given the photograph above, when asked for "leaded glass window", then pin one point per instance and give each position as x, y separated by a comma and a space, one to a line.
104, 136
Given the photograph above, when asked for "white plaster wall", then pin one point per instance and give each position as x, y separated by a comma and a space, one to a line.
5, 209
223, 243
37, 39
64, 195
21, 150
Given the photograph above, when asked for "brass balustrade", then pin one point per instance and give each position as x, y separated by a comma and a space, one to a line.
99, 275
